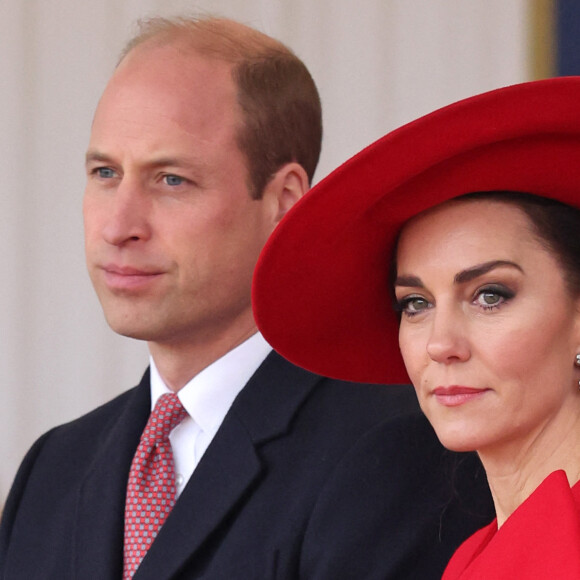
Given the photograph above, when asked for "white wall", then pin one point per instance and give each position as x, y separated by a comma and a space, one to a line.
378, 63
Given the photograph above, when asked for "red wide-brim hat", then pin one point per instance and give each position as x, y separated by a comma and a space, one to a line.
321, 287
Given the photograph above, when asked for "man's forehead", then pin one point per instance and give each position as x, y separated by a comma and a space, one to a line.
161, 77
173, 59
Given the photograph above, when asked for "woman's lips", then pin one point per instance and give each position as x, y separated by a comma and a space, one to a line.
456, 395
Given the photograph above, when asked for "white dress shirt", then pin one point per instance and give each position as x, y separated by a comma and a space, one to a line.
207, 398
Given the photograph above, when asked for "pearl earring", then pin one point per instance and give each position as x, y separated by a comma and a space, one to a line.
577, 363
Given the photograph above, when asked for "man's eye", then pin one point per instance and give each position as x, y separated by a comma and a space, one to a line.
173, 180
105, 172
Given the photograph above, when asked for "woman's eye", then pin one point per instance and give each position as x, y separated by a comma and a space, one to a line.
412, 305
492, 297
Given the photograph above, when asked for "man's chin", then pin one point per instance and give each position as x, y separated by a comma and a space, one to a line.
130, 329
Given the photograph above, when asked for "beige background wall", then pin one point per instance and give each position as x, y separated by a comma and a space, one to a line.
378, 63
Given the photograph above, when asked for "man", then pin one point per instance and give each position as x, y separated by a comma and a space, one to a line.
206, 135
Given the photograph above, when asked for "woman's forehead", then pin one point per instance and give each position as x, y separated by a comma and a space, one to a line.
467, 231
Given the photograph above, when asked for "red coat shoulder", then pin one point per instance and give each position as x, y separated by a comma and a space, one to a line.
540, 540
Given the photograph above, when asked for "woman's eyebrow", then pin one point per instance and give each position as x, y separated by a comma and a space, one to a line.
480, 269
411, 281
461, 277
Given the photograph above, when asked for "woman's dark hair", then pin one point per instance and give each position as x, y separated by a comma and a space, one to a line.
556, 225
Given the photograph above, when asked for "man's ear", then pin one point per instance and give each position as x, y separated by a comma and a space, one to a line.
287, 186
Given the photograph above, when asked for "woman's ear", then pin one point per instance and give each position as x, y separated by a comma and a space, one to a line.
577, 324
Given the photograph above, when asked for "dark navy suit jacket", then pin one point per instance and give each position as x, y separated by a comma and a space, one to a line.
307, 478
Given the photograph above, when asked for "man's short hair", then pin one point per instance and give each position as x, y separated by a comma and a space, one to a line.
281, 111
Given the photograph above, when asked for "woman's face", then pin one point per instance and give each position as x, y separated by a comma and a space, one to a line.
489, 330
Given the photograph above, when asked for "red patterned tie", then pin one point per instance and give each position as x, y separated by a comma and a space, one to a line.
151, 486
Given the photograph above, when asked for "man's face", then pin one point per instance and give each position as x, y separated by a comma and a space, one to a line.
171, 232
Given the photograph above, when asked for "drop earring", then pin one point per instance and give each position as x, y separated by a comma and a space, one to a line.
577, 363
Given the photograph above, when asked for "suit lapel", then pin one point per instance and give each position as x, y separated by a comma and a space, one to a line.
231, 465
101, 506
204, 503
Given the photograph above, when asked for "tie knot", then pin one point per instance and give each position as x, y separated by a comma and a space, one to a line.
166, 415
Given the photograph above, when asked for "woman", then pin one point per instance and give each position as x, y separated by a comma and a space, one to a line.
470, 219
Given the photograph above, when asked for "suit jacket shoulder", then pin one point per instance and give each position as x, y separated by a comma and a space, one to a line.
307, 478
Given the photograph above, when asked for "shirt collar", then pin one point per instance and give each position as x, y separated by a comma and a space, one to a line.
208, 396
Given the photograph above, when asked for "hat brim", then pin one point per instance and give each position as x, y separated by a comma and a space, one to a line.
321, 287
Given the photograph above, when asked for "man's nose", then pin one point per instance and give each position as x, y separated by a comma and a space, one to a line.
128, 214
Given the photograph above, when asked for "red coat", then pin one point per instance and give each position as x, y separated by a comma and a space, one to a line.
539, 541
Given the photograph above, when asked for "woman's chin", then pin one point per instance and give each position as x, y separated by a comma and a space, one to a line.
457, 439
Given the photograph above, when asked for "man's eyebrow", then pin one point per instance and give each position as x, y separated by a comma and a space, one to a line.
185, 162
480, 269
93, 156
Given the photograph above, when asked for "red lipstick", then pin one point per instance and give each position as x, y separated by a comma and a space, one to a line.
456, 395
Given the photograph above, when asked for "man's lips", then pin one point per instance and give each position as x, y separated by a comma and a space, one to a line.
455, 395
128, 277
